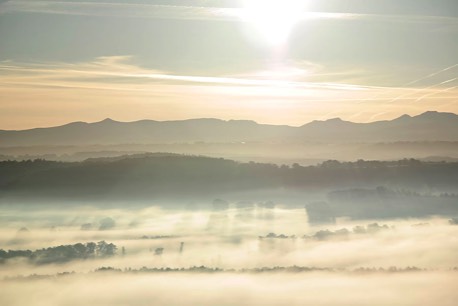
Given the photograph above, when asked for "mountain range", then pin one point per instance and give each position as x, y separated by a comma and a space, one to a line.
428, 126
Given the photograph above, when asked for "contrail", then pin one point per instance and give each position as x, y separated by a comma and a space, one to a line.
423, 89
436, 92
424, 78
411, 83
430, 75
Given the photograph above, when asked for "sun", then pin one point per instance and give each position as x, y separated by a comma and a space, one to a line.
274, 19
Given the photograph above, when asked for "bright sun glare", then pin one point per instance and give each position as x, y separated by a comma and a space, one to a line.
274, 19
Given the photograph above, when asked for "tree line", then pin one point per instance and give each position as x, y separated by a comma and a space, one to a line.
62, 253
179, 175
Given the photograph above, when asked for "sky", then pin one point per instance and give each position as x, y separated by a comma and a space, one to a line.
272, 61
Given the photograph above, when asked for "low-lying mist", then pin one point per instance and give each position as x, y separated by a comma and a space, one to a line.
256, 255
418, 288
235, 238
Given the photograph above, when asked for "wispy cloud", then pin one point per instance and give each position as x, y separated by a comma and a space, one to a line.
120, 70
119, 67
119, 10
118, 73
133, 10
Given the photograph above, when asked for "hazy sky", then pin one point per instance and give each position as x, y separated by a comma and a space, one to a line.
273, 61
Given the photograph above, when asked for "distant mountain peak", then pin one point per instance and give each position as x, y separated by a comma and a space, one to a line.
429, 114
107, 120
332, 121
335, 120
435, 115
403, 117
242, 121
75, 123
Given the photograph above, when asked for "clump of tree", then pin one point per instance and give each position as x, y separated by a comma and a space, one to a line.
343, 233
107, 269
158, 237
158, 251
328, 234
211, 270
272, 269
62, 253
275, 236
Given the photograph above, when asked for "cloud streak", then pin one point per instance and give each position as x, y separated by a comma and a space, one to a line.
180, 12
118, 67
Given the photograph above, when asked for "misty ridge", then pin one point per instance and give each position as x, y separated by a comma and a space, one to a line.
429, 126
425, 137
362, 189
164, 173
307, 154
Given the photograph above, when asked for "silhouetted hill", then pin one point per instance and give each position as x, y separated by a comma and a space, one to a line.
161, 175
429, 126
145, 131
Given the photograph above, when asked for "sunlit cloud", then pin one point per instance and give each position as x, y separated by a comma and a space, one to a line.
184, 12
118, 66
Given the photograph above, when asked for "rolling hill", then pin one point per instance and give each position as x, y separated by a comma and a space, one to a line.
429, 126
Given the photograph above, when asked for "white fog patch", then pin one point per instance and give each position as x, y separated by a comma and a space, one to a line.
421, 288
236, 239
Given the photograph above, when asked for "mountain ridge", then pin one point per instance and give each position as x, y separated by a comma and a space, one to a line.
427, 114
428, 126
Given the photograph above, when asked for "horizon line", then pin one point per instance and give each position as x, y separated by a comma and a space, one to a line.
108, 119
